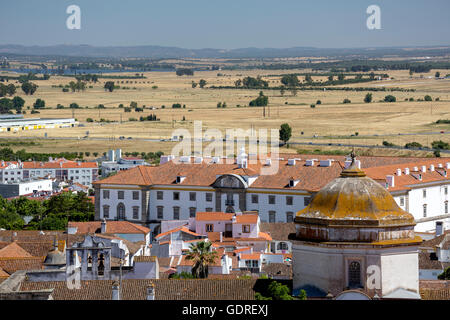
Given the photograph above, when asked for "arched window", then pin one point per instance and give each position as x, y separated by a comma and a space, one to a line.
354, 274
121, 211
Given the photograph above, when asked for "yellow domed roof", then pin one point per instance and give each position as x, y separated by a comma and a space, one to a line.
354, 199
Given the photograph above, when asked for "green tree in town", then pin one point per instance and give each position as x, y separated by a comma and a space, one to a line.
201, 255
276, 291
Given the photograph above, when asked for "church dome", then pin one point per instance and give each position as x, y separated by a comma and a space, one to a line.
353, 207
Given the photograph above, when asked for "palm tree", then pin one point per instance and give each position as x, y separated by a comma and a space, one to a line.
201, 255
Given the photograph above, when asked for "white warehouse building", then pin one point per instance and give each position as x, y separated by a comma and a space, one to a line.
7, 125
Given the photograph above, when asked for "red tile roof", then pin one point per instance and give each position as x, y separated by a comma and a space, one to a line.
250, 256
13, 250
311, 178
247, 218
213, 216
116, 227
55, 164
182, 229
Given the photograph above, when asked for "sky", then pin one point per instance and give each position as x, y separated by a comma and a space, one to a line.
227, 24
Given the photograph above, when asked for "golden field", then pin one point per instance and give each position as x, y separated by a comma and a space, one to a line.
332, 121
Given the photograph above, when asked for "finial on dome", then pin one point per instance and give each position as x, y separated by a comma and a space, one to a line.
353, 170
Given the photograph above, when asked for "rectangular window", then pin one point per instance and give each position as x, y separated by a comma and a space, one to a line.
160, 212
135, 195
402, 201
209, 228
446, 207
192, 196
245, 228
306, 201
424, 210
289, 200
192, 212
445, 190
176, 196
424, 193
289, 216
105, 211
271, 199
176, 213
209, 197
121, 195
271, 216
208, 209
254, 198
135, 212
159, 195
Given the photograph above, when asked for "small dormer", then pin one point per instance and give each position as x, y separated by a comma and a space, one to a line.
293, 182
180, 178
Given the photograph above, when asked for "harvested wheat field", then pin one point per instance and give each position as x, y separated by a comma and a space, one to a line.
332, 121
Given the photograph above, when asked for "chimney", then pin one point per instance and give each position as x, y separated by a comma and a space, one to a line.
447, 165
399, 172
431, 168
151, 292
291, 162
406, 170
221, 236
416, 169
439, 228
103, 226
424, 169
115, 291
268, 162
440, 165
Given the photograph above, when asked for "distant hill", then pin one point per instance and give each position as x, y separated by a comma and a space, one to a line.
158, 52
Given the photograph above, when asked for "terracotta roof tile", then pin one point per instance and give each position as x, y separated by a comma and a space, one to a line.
250, 256
165, 289
279, 231
116, 227
214, 216
247, 218
11, 265
182, 229
13, 250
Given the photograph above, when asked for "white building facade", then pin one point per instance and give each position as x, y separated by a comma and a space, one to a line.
177, 191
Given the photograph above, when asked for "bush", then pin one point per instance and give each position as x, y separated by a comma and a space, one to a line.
89, 120
318, 102
440, 145
346, 101
262, 100
413, 145
390, 98
59, 106
427, 98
